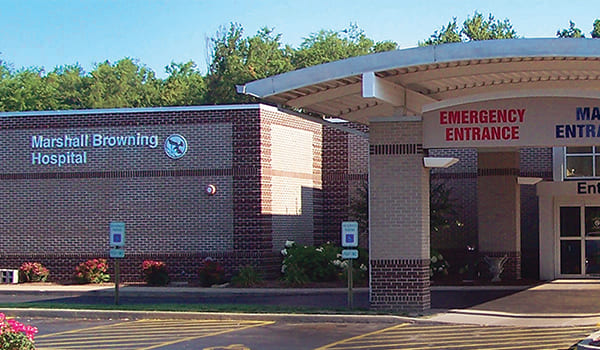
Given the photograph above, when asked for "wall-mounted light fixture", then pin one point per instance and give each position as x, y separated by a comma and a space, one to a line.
439, 162
211, 190
528, 180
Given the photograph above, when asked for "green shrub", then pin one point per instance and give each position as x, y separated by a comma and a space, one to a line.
92, 271
438, 266
246, 277
304, 264
33, 272
155, 273
211, 272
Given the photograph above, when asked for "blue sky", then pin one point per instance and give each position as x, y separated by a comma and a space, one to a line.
49, 33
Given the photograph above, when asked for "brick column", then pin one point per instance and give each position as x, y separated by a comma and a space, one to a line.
499, 209
399, 217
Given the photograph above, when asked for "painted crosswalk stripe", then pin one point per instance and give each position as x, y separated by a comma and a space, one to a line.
141, 334
433, 337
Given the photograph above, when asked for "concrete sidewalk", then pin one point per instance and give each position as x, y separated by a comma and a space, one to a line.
558, 303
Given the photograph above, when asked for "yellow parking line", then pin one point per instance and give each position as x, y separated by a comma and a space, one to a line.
265, 323
463, 337
362, 336
79, 330
127, 334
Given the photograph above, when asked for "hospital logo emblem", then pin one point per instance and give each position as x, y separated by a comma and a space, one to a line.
175, 146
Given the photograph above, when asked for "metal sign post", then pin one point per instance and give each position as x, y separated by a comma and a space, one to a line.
117, 279
350, 240
350, 283
117, 242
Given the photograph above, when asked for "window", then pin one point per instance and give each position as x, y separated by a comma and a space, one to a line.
582, 162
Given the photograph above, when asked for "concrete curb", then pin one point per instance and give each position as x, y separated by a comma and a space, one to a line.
517, 315
123, 314
146, 291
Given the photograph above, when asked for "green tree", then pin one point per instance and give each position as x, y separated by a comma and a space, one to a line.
123, 84
571, 32
442, 209
358, 210
237, 60
474, 28
26, 90
447, 34
329, 45
479, 28
596, 30
5, 77
185, 85
70, 85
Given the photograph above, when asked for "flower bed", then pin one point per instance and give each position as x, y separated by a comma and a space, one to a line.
15, 335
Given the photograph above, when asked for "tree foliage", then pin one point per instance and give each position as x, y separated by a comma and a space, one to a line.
574, 32
185, 85
235, 59
596, 30
571, 32
473, 28
329, 45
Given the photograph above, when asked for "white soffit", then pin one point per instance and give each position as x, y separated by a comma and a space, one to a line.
402, 82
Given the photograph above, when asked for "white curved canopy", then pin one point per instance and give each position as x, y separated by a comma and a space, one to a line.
403, 82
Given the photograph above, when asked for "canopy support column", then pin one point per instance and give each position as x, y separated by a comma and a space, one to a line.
499, 208
399, 217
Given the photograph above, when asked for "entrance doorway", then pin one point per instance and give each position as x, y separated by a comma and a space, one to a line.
579, 240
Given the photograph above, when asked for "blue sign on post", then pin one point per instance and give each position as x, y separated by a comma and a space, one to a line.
349, 254
349, 234
117, 234
117, 253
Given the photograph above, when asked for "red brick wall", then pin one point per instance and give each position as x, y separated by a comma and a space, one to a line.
345, 169
461, 178
400, 285
60, 215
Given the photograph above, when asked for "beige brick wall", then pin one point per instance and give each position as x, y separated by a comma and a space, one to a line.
291, 146
399, 192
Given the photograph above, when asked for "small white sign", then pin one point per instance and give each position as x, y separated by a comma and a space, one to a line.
117, 253
117, 234
349, 234
350, 254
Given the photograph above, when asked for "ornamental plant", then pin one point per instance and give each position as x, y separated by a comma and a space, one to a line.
15, 335
247, 276
303, 264
92, 271
211, 272
155, 273
438, 266
33, 272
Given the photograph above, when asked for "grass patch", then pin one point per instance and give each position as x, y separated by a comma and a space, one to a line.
232, 308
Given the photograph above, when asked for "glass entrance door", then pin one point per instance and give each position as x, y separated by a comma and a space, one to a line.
579, 243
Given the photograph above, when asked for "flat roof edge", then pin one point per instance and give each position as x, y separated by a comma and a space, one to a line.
135, 110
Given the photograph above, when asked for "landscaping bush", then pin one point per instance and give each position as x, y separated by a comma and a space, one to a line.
438, 266
303, 264
155, 273
92, 271
15, 335
211, 272
360, 266
246, 277
33, 272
